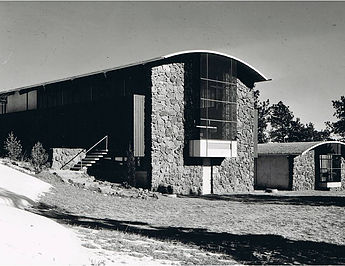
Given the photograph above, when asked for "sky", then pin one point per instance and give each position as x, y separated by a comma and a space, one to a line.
299, 45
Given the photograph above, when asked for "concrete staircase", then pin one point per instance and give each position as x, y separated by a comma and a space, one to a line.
90, 159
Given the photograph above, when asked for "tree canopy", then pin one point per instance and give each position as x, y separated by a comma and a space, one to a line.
263, 112
338, 127
276, 123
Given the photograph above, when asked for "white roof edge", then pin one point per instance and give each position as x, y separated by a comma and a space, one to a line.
322, 143
217, 53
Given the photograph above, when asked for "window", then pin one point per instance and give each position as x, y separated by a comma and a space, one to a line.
218, 98
330, 168
18, 101
3, 103
32, 100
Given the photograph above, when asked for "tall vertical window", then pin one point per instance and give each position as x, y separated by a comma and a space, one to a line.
218, 98
330, 168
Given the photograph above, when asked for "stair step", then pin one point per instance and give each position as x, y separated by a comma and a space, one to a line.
86, 159
90, 159
84, 164
96, 153
88, 162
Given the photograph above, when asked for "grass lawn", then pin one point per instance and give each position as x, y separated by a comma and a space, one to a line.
256, 228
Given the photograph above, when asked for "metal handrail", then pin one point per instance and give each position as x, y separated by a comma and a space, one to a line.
81, 162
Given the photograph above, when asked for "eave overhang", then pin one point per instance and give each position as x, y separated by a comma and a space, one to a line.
246, 72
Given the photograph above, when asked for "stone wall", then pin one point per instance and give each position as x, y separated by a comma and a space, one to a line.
304, 172
60, 156
169, 166
167, 131
237, 174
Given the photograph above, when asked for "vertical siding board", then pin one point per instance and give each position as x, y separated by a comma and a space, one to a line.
256, 117
138, 127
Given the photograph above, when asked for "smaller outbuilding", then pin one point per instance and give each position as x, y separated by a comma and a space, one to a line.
301, 165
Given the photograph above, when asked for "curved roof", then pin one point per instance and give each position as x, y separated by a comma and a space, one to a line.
255, 75
291, 148
260, 76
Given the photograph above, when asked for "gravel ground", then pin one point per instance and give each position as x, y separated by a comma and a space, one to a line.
257, 228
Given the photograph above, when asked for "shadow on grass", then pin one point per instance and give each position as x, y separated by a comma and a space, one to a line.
12, 199
278, 199
246, 249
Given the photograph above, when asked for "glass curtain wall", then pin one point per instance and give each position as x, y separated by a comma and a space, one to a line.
330, 163
330, 168
218, 98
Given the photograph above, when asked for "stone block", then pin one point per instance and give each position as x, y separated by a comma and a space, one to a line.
60, 156
304, 172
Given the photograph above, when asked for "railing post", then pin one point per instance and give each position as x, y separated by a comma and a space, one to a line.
106, 142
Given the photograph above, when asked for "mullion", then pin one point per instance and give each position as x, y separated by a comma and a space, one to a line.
219, 101
216, 120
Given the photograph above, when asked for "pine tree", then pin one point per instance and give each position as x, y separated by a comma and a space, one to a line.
13, 147
338, 127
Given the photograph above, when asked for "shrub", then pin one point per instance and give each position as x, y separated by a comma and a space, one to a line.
13, 147
39, 156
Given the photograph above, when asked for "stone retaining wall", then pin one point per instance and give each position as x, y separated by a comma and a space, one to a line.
304, 172
60, 156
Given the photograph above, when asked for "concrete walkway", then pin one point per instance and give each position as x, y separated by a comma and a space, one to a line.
30, 239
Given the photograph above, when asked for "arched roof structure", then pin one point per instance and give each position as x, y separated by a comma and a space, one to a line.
243, 64
292, 148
